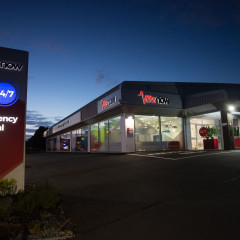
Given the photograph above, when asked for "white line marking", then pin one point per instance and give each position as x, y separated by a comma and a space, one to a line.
202, 155
187, 153
140, 155
175, 159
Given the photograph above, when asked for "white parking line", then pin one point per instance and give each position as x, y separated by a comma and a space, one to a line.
207, 154
175, 159
160, 153
188, 153
149, 156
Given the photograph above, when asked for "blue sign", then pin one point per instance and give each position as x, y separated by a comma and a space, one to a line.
9, 93
167, 131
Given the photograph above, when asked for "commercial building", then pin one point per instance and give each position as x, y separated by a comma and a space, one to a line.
152, 116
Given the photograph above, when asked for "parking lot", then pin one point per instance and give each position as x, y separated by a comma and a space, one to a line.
160, 195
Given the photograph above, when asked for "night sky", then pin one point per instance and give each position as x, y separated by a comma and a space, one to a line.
80, 49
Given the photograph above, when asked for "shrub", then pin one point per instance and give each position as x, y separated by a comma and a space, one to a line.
211, 132
5, 208
28, 203
48, 196
44, 196
9, 230
8, 187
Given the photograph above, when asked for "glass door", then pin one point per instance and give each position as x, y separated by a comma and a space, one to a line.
211, 120
199, 139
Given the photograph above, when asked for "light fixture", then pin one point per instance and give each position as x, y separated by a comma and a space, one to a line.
231, 108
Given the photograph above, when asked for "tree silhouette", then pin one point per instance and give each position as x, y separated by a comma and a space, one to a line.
37, 141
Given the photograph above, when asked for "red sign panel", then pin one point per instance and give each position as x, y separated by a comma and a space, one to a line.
203, 132
13, 94
106, 103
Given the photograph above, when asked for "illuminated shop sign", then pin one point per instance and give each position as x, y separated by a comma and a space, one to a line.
106, 103
152, 99
63, 124
74, 119
10, 66
13, 96
109, 101
9, 93
5, 119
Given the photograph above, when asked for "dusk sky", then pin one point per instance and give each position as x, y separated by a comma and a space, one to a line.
80, 49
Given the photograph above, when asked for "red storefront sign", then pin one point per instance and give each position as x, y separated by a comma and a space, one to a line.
152, 99
106, 103
203, 131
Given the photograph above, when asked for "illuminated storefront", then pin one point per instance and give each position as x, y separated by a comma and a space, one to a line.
153, 116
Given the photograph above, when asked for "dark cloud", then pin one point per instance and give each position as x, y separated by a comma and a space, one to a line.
102, 77
209, 13
31, 130
35, 119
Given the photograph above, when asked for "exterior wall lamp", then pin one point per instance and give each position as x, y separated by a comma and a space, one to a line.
231, 108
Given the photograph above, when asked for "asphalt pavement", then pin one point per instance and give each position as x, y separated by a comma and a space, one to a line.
162, 195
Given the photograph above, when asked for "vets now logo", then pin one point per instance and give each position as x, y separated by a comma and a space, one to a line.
10, 66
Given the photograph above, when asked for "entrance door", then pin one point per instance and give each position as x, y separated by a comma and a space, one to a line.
199, 138
205, 120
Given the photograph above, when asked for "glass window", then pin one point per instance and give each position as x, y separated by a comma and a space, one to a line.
49, 145
147, 136
65, 142
172, 133
115, 134
94, 138
236, 133
84, 139
54, 144
103, 136
76, 136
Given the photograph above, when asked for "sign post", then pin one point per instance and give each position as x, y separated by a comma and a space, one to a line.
13, 97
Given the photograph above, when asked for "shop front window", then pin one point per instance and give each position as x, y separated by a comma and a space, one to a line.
84, 140
106, 136
54, 144
103, 136
65, 142
172, 133
94, 138
115, 134
49, 145
147, 136
76, 135
236, 131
